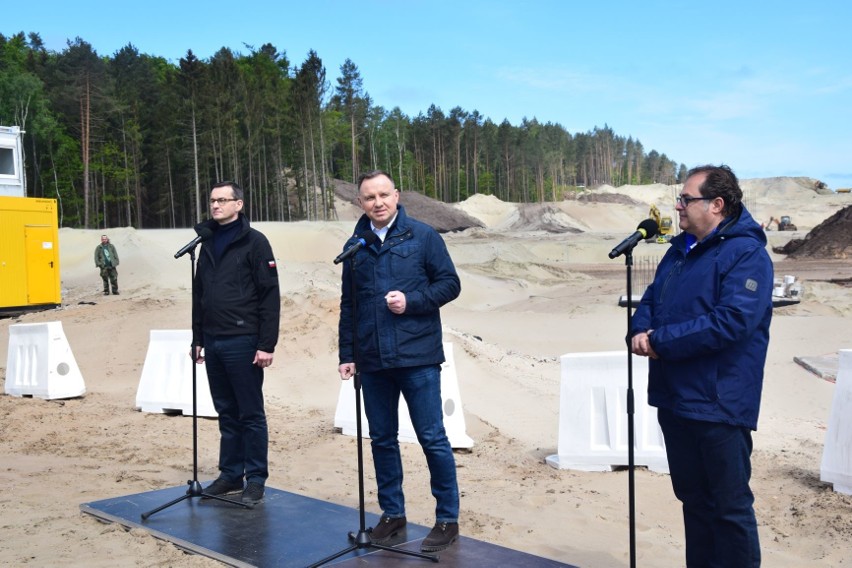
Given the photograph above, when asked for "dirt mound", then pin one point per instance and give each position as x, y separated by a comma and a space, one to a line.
443, 217
830, 239
592, 197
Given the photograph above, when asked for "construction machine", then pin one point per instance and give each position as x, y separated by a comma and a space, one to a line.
784, 224
664, 223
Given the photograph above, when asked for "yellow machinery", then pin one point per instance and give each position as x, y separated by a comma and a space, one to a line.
29, 254
665, 223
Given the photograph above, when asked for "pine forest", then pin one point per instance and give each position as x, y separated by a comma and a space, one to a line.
135, 140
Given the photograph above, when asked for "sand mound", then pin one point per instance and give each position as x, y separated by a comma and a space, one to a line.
443, 217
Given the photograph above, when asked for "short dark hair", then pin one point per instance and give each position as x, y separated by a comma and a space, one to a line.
720, 182
372, 174
235, 187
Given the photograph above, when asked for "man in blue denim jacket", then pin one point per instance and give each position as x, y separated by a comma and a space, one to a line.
704, 324
401, 281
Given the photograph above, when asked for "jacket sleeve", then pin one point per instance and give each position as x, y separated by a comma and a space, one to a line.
444, 284
744, 297
268, 295
345, 347
197, 294
97, 257
114, 255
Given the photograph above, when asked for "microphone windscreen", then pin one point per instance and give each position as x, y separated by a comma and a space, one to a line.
649, 227
369, 237
204, 232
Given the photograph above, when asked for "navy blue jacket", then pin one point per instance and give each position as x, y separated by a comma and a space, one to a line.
414, 260
238, 294
710, 311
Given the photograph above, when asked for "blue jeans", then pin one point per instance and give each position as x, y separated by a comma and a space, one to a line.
236, 386
710, 466
421, 387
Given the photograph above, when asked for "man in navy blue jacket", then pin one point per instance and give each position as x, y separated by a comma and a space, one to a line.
401, 281
704, 324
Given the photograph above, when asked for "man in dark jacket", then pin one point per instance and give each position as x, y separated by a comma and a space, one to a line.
106, 259
235, 310
401, 281
704, 323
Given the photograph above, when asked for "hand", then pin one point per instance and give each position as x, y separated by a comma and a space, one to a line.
396, 302
640, 344
346, 370
195, 354
262, 359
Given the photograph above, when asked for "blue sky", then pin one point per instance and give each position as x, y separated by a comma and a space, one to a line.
763, 86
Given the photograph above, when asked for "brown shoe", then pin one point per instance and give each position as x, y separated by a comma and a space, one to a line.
440, 537
386, 528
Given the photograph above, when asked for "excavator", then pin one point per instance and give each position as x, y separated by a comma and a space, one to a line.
665, 224
784, 223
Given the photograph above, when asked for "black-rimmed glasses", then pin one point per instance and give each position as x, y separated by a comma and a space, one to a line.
685, 200
222, 200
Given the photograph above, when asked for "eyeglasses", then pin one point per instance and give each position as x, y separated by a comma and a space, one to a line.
222, 200
685, 200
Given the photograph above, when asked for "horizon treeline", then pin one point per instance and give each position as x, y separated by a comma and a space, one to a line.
135, 140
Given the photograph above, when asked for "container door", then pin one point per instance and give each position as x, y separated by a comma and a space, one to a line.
42, 265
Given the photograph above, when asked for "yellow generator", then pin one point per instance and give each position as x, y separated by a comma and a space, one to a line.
29, 255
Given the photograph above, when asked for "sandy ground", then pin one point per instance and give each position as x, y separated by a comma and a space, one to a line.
528, 297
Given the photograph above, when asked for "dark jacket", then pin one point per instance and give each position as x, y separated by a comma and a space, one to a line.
101, 256
238, 295
710, 311
414, 260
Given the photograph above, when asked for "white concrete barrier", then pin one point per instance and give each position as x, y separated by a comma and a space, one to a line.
593, 415
836, 466
40, 362
166, 383
454, 424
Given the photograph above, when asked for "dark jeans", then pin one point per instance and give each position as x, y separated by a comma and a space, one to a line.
710, 466
236, 385
421, 387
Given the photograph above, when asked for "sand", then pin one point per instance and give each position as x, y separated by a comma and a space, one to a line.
528, 296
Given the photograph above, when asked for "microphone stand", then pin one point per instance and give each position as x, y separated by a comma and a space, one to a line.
362, 539
631, 493
195, 489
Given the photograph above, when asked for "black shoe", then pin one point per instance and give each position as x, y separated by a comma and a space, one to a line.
386, 528
440, 537
115, 292
223, 487
106, 292
252, 494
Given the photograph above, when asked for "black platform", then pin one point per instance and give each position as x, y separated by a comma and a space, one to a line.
288, 530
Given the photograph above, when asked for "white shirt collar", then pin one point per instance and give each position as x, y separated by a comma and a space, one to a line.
383, 232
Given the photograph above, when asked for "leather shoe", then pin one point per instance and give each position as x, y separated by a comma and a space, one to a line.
440, 537
386, 528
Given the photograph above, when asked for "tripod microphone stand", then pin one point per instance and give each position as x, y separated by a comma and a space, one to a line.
631, 482
195, 489
646, 230
361, 539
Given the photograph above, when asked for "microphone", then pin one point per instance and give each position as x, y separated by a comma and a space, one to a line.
204, 233
365, 239
646, 229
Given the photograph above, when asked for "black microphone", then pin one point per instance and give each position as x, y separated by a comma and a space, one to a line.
204, 233
365, 239
646, 229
